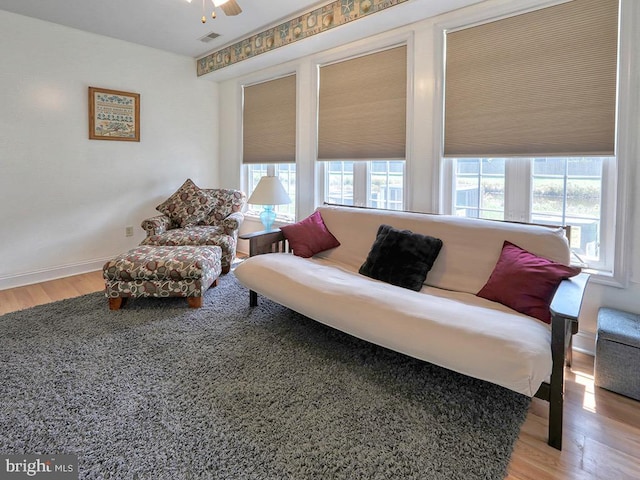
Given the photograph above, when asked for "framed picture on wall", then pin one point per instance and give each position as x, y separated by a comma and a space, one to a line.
114, 115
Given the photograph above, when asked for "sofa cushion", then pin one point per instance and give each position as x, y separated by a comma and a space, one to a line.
309, 236
471, 246
188, 205
525, 282
401, 257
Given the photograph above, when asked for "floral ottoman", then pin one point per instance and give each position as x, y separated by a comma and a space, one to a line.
162, 271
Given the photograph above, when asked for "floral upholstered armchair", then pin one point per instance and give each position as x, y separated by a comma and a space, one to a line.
194, 216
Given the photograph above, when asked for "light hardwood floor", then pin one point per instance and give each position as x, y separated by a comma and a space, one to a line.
601, 429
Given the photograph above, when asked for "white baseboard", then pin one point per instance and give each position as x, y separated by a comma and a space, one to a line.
52, 273
585, 342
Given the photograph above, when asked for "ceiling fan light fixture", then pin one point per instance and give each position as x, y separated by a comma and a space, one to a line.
204, 18
229, 7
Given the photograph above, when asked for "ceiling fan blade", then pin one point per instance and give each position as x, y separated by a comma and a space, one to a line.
231, 7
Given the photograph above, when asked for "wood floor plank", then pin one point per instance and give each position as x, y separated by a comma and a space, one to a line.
539, 460
34, 295
8, 301
621, 436
601, 439
93, 282
605, 462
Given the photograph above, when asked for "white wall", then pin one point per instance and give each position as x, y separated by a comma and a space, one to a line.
423, 159
64, 199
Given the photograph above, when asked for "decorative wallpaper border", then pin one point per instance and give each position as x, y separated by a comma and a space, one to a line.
308, 24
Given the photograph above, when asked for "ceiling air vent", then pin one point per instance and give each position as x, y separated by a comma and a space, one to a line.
209, 37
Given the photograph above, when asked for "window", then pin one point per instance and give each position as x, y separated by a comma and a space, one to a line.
339, 183
362, 112
376, 183
269, 139
519, 144
385, 184
286, 172
552, 191
568, 191
479, 188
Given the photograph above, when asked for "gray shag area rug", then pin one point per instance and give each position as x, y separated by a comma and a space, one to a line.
160, 391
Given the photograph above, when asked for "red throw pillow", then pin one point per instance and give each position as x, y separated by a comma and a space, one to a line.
525, 282
309, 236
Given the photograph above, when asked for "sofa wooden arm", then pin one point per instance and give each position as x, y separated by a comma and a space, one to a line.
266, 241
565, 309
568, 298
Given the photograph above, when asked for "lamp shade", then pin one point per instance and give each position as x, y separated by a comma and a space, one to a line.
269, 191
217, 3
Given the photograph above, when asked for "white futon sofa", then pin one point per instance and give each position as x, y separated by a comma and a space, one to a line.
445, 323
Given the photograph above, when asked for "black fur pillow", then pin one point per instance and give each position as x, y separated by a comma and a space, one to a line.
401, 257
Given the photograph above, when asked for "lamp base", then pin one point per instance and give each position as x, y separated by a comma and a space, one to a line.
267, 217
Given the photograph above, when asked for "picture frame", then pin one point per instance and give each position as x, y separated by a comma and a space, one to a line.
114, 115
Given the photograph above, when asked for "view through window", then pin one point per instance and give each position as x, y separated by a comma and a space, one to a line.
375, 184
558, 191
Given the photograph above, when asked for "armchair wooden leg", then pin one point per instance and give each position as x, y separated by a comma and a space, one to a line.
194, 302
226, 269
253, 298
115, 303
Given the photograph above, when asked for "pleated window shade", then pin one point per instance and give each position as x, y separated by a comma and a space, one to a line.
362, 107
269, 122
541, 83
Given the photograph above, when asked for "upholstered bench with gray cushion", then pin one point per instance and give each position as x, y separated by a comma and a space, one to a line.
618, 352
162, 271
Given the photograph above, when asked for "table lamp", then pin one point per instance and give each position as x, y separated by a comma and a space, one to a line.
269, 192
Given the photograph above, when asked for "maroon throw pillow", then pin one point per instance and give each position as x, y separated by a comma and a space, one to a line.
309, 236
525, 282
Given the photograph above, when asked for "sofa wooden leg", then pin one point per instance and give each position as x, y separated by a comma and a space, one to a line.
215, 283
555, 422
194, 302
560, 335
226, 269
115, 303
253, 298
